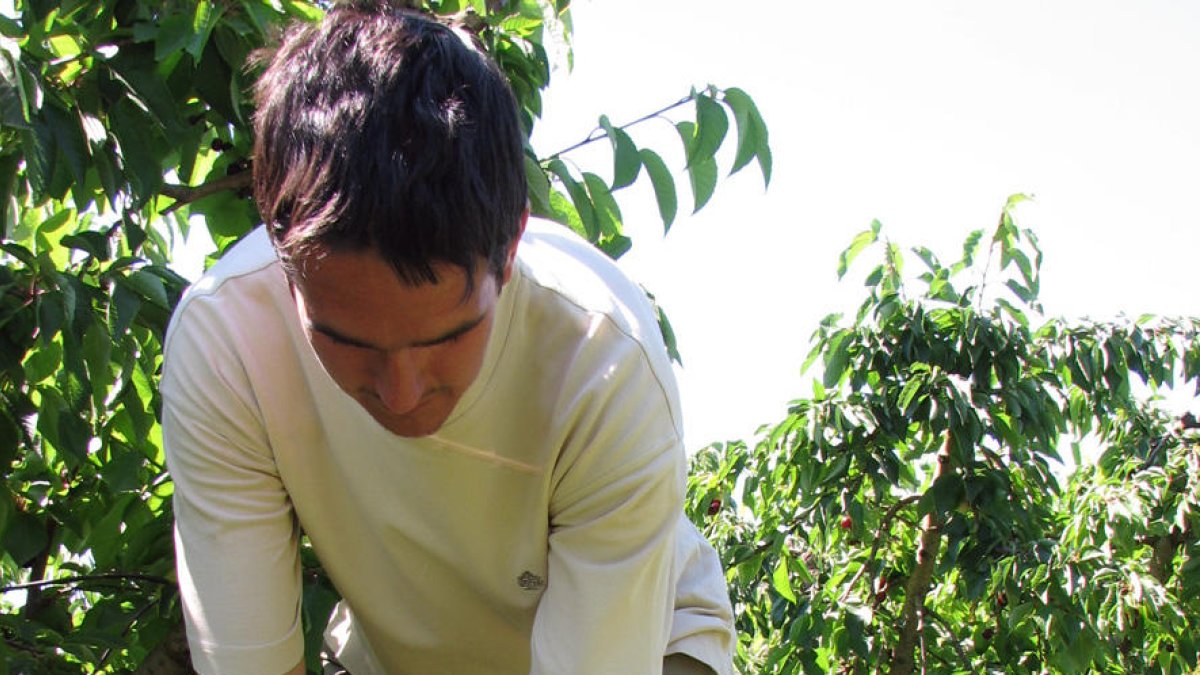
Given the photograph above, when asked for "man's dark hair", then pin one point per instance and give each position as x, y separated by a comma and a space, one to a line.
380, 129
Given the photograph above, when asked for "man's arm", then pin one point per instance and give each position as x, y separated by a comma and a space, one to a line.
618, 497
298, 670
236, 537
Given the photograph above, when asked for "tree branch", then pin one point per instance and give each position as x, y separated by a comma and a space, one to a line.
911, 618
170, 657
884, 528
185, 194
954, 641
593, 136
89, 578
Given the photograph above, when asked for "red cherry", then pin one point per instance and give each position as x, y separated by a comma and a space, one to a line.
714, 507
847, 523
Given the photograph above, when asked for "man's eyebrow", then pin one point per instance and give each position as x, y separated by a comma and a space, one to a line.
448, 336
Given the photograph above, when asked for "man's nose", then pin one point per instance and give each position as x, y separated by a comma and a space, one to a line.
400, 382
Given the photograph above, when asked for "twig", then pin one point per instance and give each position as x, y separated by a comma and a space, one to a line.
954, 641
593, 136
128, 629
89, 578
884, 526
185, 194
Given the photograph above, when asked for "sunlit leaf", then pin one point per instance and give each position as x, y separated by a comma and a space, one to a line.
664, 186
626, 160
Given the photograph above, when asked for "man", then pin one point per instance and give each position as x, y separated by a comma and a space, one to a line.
469, 413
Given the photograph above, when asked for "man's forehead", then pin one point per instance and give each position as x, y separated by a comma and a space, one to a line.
310, 265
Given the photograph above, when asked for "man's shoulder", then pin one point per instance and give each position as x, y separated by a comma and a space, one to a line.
560, 262
250, 255
244, 282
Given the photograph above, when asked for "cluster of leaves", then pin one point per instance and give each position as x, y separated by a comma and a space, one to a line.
123, 124
910, 513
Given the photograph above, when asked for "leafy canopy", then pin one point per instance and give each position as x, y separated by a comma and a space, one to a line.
123, 125
910, 514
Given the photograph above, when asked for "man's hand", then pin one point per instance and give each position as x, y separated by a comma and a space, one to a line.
298, 670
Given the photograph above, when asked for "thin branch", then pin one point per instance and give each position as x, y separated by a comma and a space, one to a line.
108, 652
593, 136
954, 641
90, 578
884, 527
986, 267
185, 194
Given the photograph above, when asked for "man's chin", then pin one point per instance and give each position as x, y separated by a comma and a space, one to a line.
425, 420
410, 429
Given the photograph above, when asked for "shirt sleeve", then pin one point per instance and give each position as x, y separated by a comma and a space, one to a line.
236, 536
608, 600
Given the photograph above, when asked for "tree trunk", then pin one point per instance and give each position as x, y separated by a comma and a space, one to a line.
912, 619
170, 657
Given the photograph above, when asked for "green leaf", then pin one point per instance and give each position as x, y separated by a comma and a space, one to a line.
141, 166
702, 173
68, 137
946, 493
1020, 291
204, 19
8, 180
38, 147
615, 247
860, 242
579, 197
745, 114
668, 333
24, 537
563, 211
664, 186
213, 76
711, 126
971, 247
123, 308
909, 393
43, 362
14, 111
608, 214
753, 138
95, 244
147, 91
626, 162
539, 187
837, 357
50, 316
300, 9
703, 181
147, 285
780, 580
171, 35
318, 601
225, 214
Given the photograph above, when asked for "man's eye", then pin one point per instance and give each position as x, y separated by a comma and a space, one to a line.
343, 342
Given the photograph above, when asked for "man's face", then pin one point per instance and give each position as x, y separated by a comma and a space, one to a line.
405, 353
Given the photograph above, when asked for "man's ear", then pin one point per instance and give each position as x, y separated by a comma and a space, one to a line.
512, 248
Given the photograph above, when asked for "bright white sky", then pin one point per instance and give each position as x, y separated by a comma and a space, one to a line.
923, 114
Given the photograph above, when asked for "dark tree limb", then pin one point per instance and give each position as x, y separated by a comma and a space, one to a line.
185, 194
170, 657
85, 579
912, 616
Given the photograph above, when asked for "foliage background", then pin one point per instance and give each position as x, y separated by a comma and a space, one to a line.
124, 125
932, 428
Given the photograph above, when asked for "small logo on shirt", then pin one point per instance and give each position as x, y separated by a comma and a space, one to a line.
530, 581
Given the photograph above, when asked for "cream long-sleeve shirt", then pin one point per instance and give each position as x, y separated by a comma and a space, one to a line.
538, 531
